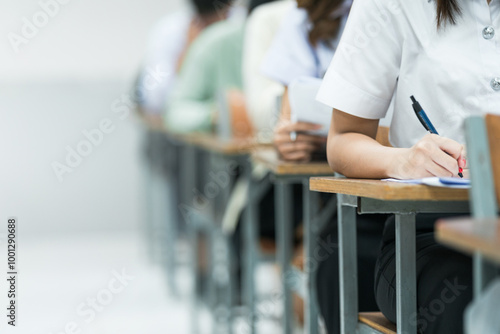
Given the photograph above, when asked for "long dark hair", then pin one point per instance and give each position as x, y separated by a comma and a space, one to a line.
319, 12
447, 12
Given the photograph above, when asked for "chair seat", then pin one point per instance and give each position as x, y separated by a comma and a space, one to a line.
377, 321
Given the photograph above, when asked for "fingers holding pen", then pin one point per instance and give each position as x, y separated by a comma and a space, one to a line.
431, 156
455, 160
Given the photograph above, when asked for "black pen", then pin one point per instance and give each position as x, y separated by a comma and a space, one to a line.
426, 122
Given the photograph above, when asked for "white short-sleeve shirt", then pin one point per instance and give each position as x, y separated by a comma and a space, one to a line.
165, 46
261, 92
291, 55
392, 49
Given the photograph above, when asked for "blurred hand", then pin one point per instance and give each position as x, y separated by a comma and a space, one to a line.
304, 145
433, 155
240, 122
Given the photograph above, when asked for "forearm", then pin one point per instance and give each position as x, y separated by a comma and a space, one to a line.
360, 156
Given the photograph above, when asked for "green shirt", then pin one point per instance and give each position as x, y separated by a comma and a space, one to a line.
213, 65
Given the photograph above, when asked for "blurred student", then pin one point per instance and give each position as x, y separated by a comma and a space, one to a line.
304, 46
445, 53
212, 68
262, 93
166, 50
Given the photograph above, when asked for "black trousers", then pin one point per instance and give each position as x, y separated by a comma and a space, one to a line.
444, 279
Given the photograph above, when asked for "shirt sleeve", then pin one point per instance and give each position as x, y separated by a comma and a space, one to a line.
191, 106
261, 92
362, 77
157, 77
291, 55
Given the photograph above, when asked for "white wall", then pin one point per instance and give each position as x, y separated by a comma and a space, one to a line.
86, 38
61, 83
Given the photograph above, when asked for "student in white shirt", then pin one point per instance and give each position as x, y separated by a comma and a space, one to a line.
447, 54
262, 93
304, 46
167, 47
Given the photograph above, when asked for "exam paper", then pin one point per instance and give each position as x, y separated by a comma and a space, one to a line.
304, 107
447, 182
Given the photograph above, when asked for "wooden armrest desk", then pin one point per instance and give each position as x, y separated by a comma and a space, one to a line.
471, 235
284, 175
403, 200
203, 157
479, 238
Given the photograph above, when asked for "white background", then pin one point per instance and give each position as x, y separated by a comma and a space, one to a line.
86, 39
61, 83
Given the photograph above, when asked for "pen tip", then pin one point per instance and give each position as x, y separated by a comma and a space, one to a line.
461, 175
413, 99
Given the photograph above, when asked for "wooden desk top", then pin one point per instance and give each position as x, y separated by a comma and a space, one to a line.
206, 141
384, 190
230, 146
269, 158
469, 235
213, 143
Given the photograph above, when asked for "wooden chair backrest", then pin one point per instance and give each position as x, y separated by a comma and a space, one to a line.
493, 129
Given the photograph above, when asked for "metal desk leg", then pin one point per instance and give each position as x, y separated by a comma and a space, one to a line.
348, 268
150, 208
194, 270
311, 207
250, 240
223, 274
171, 224
284, 205
484, 273
187, 176
406, 275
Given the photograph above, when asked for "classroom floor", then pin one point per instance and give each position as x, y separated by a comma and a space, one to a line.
55, 298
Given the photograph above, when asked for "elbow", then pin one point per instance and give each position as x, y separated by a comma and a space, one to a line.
330, 153
335, 157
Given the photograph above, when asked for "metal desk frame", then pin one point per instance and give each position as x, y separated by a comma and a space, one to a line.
162, 228
292, 279
221, 276
406, 288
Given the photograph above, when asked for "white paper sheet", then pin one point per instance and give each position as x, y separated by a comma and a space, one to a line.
447, 182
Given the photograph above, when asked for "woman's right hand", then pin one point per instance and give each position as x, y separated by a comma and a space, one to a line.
303, 146
433, 155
